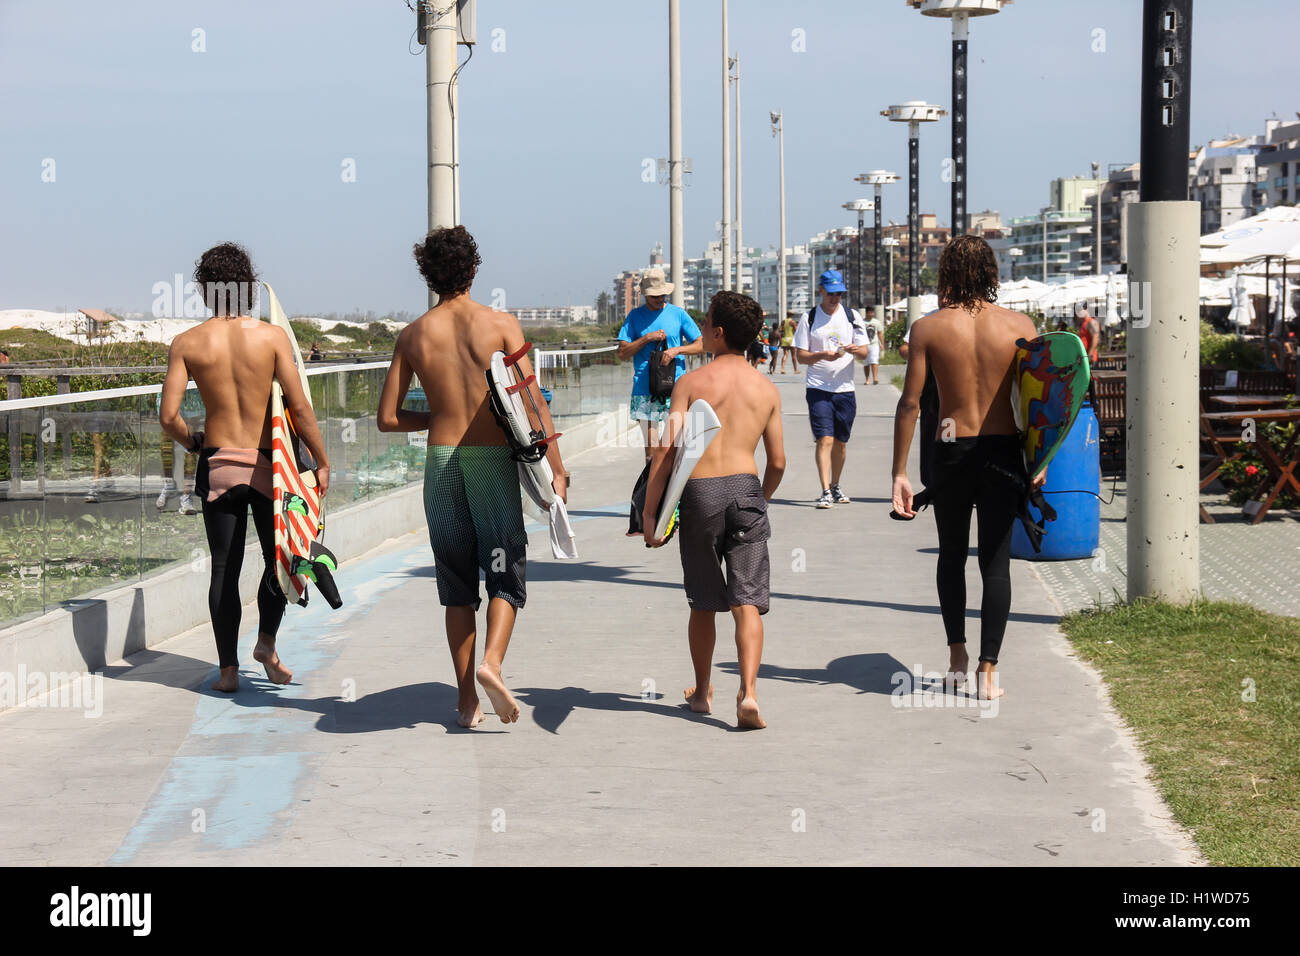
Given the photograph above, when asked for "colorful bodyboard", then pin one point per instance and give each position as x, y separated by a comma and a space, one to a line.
698, 431
1048, 387
299, 518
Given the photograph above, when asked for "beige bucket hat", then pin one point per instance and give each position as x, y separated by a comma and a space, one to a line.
652, 283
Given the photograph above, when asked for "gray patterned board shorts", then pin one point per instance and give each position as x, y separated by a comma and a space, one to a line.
724, 520
476, 521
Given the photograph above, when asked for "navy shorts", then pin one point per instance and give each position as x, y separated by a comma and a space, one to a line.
831, 413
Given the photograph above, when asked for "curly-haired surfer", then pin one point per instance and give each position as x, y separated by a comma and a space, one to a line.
233, 359
471, 485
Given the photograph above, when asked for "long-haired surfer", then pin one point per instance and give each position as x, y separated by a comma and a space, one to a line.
970, 345
471, 483
724, 507
233, 359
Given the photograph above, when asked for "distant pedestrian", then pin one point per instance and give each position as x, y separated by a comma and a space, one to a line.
1090, 332
828, 339
875, 344
315, 355
788, 325
656, 331
773, 345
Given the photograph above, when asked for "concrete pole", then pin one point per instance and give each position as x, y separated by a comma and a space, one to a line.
440, 63
1163, 552
726, 156
740, 240
781, 300
676, 244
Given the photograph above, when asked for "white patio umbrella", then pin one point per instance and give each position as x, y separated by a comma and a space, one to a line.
1273, 234
1241, 313
1112, 317
929, 303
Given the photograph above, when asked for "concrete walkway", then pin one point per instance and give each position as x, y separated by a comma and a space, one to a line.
360, 761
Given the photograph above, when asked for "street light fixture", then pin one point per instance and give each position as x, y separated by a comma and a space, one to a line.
859, 206
960, 12
914, 113
1014, 254
877, 178
778, 130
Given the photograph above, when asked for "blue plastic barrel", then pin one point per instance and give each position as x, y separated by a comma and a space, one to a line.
1074, 472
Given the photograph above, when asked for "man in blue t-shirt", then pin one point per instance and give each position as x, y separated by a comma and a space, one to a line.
643, 329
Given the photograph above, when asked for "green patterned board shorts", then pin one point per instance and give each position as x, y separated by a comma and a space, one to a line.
647, 409
476, 522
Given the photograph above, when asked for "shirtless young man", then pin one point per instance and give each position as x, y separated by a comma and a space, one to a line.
233, 358
724, 507
471, 485
970, 345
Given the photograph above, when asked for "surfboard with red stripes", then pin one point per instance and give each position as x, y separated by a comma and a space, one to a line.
299, 516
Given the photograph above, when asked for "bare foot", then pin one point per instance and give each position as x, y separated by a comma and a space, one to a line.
502, 703
986, 683
699, 704
747, 716
958, 662
265, 655
473, 720
228, 682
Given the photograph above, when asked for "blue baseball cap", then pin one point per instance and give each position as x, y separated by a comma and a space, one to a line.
832, 281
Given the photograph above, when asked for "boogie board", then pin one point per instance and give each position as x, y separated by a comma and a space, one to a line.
698, 431
300, 556
1048, 386
527, 444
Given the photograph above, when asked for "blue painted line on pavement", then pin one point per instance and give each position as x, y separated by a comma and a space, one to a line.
240, 795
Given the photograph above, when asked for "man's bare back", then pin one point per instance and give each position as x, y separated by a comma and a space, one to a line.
448, 349
971, 355
746, 402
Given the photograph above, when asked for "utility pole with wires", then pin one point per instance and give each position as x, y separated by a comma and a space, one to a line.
440, 26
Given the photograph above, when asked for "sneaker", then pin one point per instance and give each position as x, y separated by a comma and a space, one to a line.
92, 496
839, 497
187, 505
168, 487
825, 501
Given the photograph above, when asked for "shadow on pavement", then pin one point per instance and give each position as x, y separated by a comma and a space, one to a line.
551, 706
865, 673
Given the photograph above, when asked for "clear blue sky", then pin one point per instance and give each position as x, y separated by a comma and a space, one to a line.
161, 151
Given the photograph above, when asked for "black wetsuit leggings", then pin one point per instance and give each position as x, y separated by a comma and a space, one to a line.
226, 522
985, 473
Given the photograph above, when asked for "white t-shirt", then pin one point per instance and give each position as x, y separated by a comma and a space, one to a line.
826, 334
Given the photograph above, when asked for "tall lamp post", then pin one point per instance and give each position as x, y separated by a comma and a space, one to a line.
675, 235
726, 155
877, 178
860, 206
1096, 201
959, 12
914, 113
740, 240
778, 130
1015, 254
